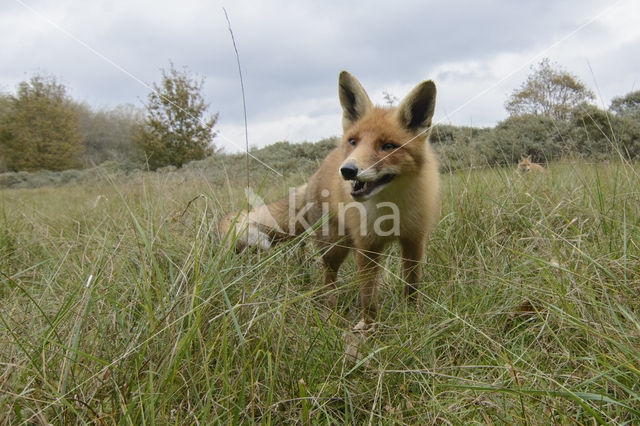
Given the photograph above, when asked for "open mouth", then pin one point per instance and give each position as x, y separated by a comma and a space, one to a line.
361, 189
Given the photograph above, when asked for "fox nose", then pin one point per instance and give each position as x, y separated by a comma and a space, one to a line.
349, 171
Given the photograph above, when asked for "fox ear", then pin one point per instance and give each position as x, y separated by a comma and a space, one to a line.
416, 109
354, 100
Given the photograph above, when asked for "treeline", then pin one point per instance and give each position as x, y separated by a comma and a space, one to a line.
550, 117
42, 128
588, 133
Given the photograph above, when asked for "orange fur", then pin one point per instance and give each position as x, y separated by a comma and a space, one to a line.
383, 157
525, 165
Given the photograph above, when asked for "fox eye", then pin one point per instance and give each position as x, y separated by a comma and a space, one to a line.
389, 146
352, 142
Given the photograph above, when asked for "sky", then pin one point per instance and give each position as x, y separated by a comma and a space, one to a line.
109, 52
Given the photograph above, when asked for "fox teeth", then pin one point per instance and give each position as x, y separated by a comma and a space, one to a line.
362, 188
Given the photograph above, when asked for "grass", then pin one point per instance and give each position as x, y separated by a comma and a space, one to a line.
118, 304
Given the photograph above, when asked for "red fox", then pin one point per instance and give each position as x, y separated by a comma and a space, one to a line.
381, 184
525, 165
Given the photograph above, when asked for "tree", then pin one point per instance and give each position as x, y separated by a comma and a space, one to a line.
176, 128
389, 98
4, 131
107, 135
4, 104
626, 105
548, 91
40, 129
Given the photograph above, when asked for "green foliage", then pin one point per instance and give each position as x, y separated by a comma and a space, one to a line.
548, 91
176, 128
626, 105
549, 120
40, 128
107, 135
5, 105
542, 137
293, 157
459, 147
599, 134
47, 178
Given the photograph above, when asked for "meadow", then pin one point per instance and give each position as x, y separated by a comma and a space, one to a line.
120, 305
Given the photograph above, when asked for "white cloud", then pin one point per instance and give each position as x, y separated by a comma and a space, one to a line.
306, 120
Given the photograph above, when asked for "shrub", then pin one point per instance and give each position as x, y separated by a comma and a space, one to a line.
541, 137
598, 133
457, 147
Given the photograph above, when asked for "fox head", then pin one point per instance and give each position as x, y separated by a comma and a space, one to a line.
379, 144
525, 164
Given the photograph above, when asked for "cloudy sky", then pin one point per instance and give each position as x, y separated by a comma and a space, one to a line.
107, 52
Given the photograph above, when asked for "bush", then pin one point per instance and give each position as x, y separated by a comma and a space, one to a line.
49, 178
598, 134
107, 135
12, 179
541, 137
457, 147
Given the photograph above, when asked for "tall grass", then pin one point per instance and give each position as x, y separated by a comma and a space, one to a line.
119, 304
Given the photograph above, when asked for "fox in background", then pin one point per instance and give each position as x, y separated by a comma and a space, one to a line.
383, 163
525, 165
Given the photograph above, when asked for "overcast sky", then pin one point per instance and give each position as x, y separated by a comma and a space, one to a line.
107, 52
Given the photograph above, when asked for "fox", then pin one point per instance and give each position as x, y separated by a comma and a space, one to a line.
383, 171
525, 165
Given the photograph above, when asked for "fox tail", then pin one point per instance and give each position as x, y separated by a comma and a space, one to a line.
265, 224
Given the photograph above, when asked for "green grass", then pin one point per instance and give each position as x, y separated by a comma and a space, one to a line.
119, 305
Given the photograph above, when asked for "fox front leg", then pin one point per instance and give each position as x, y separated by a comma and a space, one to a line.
412, 253
367, 266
